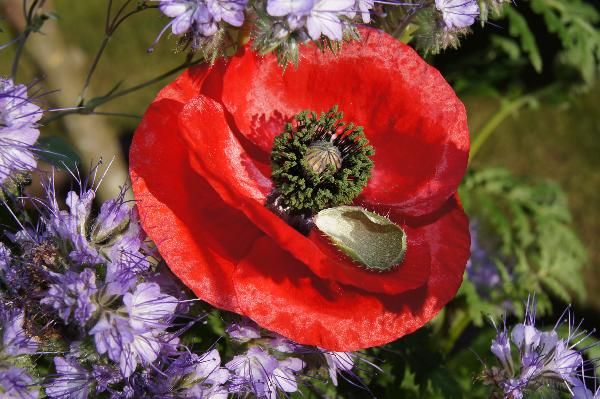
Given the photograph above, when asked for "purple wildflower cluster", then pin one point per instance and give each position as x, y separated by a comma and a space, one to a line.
18, 129
200, 19
15, 381
313, 17
120, 325
271, 365
481, 269
532, 360
280, 26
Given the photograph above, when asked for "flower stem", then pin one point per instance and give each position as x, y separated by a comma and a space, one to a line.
87, 108
28, 15
505, 110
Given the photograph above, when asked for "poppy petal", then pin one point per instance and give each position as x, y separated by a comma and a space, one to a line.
198, 235
241, 185
404, 105
293, 302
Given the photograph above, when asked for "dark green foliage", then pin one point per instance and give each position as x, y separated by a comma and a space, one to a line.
529, 228
576, 25
297, 185
547, 49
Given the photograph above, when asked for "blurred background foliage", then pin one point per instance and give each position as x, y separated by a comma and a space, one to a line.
528, 78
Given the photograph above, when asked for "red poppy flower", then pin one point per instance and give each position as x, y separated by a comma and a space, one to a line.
200, 166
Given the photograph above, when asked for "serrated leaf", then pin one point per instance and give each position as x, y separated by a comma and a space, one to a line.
519, 28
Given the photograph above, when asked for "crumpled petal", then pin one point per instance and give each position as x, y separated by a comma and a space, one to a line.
200, 170
404, 105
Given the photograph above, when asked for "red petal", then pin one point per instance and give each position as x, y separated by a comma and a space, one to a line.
293, 302
410, 114
240, 183
199, 236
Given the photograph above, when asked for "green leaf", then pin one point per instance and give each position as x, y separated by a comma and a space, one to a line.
520, 29
526, 227
57, 151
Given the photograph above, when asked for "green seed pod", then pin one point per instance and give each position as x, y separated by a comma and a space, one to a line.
322, 155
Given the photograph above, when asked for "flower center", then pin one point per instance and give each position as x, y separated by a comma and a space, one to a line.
319, 165
319, 162
322, 155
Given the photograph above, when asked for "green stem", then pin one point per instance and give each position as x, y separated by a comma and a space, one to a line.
93, 67
503, 112
28, 15
458, 327
85, 109
19, 53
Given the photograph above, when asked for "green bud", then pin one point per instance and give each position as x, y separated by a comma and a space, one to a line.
372, 240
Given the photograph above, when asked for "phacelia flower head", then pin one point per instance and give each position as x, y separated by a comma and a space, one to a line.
458, 14
18, 129
321, 267
544, 358
199, 20
71, 380
15, 340
17, 383
71, 295
481, 269
258, 372
135, 334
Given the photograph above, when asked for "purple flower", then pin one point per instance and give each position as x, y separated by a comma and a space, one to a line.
501, 348
324, 18
17, 383
114, 336
143, 349
148, 308
113, 218
135, 334
104, 376
72, 295
458, 14
580, 391
72, 381
230, 11
481, 269
542, 356
281, 8
200, 18
16, 108
260, 373
244, 330
365, 6
319, 17
72, 225
111, 333
201, 375
338, 362
18, 129
15, 341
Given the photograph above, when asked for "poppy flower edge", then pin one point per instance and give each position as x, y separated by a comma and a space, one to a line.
229, 257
